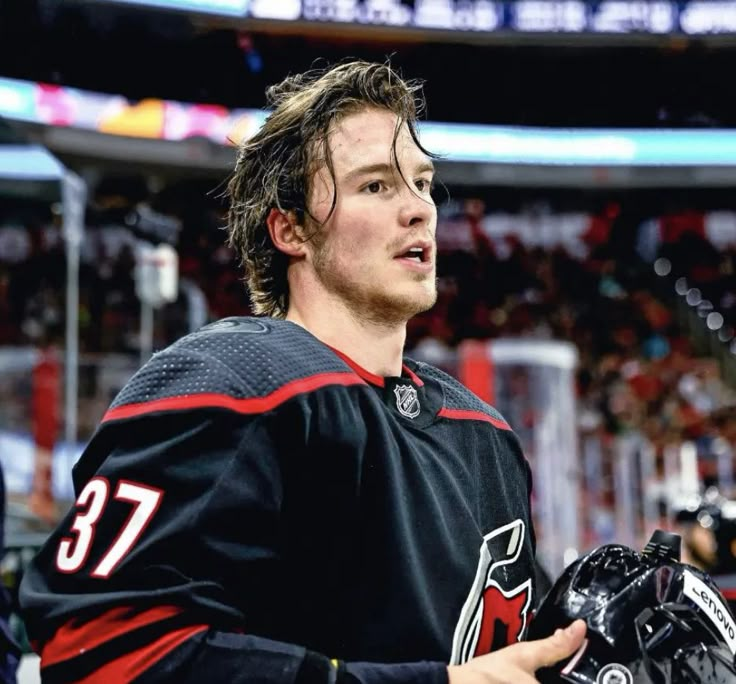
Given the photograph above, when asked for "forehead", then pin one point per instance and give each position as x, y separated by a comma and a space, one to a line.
367, 137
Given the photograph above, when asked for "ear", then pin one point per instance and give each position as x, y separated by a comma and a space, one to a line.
285, 234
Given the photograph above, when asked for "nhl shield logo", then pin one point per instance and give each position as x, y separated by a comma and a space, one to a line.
407, 401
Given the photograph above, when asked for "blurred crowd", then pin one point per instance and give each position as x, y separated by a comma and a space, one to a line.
571, 276
585, 277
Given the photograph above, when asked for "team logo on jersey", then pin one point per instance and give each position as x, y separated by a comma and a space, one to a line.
407, 401
235, 325
494, 614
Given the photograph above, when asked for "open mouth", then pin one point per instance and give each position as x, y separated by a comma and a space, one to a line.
417, 254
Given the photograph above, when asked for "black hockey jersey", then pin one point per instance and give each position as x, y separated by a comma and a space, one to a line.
251, 479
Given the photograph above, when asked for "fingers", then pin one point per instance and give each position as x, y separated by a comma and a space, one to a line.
524, 678
532, 655
517, 664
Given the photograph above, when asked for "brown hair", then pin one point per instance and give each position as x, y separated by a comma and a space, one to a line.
274, 167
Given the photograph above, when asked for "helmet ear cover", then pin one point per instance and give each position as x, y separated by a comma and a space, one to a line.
674, 639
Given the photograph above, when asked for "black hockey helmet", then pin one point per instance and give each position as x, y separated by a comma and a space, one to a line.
651, 619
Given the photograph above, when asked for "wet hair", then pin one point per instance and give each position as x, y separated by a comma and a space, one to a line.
274, 168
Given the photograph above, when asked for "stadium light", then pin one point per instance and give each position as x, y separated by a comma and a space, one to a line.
693, 297
726, 333
704, 308
714, 321
662, 266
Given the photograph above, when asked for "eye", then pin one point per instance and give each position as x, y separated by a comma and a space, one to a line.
374, 188
423, 184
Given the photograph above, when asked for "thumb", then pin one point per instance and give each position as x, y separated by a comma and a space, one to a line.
544, 652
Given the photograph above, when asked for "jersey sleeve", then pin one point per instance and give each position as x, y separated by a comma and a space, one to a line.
513, 444
176, 527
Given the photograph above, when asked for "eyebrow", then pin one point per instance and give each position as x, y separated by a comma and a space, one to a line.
426, 166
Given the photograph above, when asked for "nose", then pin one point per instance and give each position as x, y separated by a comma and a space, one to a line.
416, 210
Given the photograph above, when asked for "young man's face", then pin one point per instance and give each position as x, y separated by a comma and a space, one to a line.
362, 253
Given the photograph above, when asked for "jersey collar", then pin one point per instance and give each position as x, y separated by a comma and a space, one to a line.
374, 379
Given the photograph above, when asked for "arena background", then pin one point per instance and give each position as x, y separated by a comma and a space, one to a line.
587, 232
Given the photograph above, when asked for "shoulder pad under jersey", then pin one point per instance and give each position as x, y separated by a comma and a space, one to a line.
246, 364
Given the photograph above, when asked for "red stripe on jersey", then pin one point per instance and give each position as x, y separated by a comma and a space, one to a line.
413, 376
250, 405
466, 414
362, 372
73, 638
130, 666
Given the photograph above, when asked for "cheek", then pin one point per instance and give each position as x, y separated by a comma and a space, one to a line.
358, 242
356, 257
358, 238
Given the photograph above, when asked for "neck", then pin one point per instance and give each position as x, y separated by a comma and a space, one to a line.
377, 347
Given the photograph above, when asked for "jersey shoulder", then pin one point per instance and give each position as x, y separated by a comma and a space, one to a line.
458, 399
236, 359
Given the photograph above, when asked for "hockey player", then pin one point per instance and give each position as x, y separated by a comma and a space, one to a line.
286, 498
